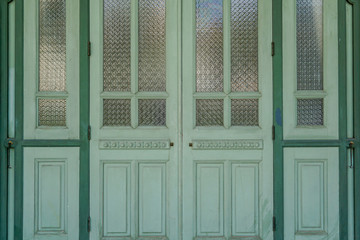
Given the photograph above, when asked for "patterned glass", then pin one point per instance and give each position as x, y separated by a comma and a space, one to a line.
152, 112
209, 46
310, 112
152, 46
52, 45
52, 112
116, 112
209, 112
245, 112
244, 46
117, 45
309, 44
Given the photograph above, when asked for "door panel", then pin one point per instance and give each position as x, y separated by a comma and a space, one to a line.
134, 119
227, 118
51, 187
311, 193
51, 69
310, 65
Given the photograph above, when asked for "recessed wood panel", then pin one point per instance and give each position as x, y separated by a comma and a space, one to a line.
210, 199
311, 193
116, 199
51, 193
310, 199
152, 199
50, 196
245, 200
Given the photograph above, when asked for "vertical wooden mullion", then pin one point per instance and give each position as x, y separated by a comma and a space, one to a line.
227, 61
134, 61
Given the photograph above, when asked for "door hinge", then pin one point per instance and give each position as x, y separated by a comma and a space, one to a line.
89, 132
272, 49
273, 132
274, 224
89, 48
89, 224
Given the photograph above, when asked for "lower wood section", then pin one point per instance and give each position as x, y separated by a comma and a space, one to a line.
227, 199
51, 193
311, 193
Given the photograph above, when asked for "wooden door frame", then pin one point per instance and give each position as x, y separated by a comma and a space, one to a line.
342, 143
19, 142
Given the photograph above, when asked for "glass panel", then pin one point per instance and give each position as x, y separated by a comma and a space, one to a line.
209, 112
52, 112
244, 112
117, 45
209, 46
309, 44
244, 46
52, 46
116, 112
152, 46
152, 112
310, 112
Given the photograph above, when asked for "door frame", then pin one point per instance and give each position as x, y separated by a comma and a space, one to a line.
18, 142
342, 143
83, 142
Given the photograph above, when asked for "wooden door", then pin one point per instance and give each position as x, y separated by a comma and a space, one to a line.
134, 76
227, 119
311, 113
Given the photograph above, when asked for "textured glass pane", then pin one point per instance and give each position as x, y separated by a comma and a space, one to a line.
152, 46
52, 48
117, 45
245, 112
52, 112
116, 112
310, 112
209, 112
309, 44
152, 112
209, 46
244, 46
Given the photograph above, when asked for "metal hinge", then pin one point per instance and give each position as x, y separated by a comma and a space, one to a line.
89, 132
274, 224
272, 49
273, 132
89, 224
89, 48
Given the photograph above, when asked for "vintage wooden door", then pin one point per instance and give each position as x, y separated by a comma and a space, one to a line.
227, 119
181, 119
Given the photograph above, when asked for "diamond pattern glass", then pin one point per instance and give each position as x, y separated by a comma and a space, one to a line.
152, 112
310, 112
244, 46
117, 45
209, 112
52, 112
52, 45
152, 46
116, 112
245, 112
209, 46
309, 47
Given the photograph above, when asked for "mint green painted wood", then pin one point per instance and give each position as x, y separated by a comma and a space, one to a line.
214, 202
51, 184
31, 75
330, 75
311, 193
142, 199
11, 119
350, 116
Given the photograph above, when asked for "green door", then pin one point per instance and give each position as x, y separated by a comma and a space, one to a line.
227, 119
179, 131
